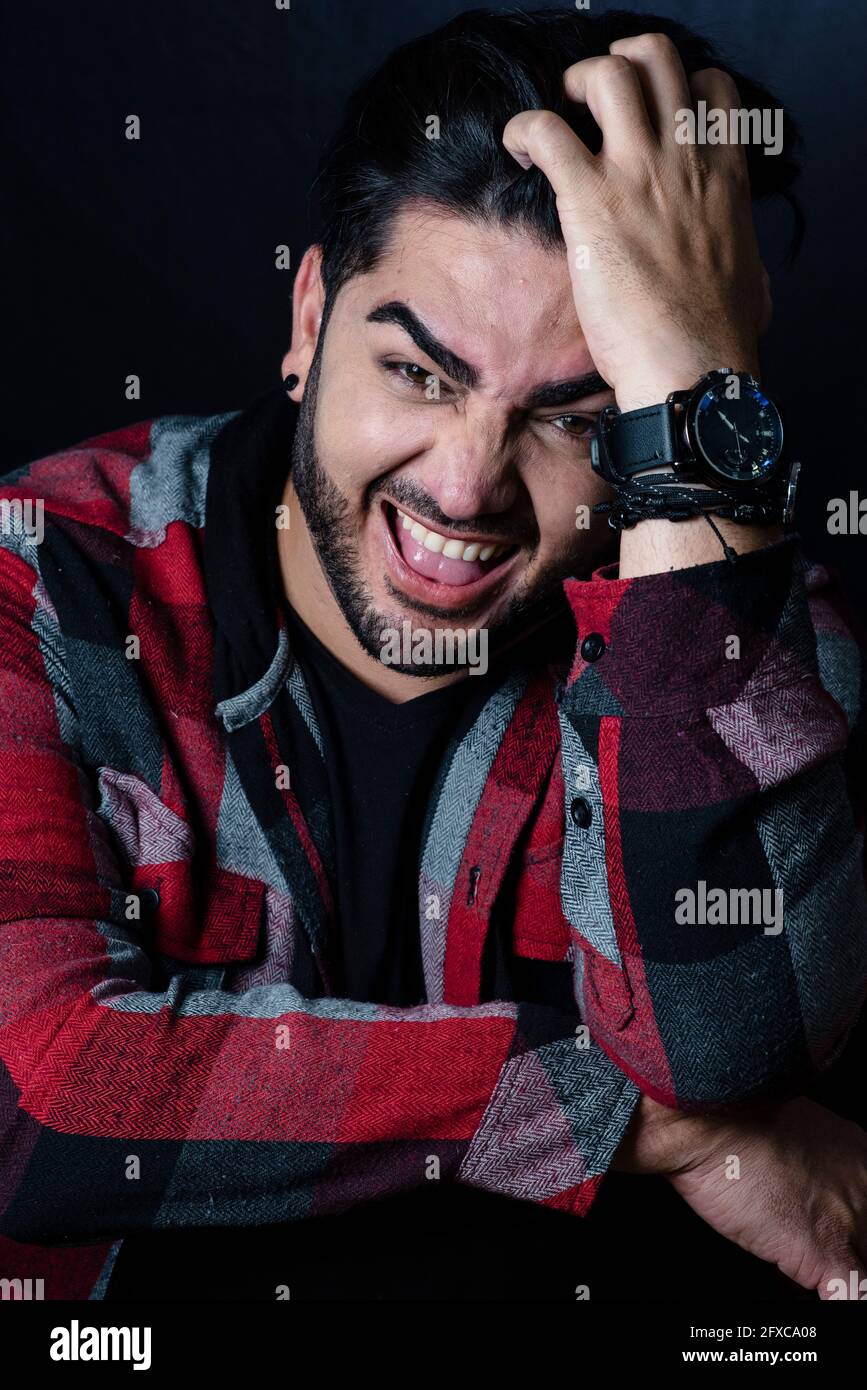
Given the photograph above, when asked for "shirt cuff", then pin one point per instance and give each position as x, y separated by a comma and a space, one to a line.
554, 1123
690, 639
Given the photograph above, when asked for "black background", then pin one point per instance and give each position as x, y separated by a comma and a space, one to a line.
157, 257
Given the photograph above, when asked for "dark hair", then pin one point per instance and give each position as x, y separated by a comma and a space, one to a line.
474, 73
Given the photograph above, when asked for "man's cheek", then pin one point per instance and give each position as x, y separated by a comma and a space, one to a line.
342, 454
580, 547
564, 539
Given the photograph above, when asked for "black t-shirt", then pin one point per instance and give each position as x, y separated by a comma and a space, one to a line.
380, 759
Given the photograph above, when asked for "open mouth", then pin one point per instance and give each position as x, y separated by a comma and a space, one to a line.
441, 559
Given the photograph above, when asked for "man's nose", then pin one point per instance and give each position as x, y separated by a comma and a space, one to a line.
472, 471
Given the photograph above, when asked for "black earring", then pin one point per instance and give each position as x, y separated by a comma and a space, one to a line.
290, 382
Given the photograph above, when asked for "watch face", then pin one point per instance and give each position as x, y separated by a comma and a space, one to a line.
740, 436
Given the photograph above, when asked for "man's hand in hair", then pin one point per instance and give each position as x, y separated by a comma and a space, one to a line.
663, 257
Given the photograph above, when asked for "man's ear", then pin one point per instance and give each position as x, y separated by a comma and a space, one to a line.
308, 300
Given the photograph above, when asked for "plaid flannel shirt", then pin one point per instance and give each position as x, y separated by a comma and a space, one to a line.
171, 1051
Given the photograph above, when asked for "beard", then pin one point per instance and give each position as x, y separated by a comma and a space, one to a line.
333, 532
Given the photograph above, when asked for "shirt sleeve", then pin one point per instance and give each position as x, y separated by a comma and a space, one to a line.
713, 872
128, 1108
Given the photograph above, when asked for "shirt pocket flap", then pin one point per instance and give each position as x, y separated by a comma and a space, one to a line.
220, 925
189, 909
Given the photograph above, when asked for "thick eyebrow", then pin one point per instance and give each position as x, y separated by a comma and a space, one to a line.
576, 389
447, 361
553, 393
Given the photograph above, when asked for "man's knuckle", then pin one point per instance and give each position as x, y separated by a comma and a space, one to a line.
655, 45
583, 65
544, 122
615, 67
722, 81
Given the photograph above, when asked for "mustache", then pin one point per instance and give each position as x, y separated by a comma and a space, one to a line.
413, 498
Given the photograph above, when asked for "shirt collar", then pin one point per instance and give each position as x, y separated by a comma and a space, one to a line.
249, 463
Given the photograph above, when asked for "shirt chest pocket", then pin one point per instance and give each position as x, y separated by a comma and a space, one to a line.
189, 907
541, 931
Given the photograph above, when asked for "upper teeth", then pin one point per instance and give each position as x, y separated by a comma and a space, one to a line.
451, 549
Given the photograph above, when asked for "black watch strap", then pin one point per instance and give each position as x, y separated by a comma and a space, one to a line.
641, 439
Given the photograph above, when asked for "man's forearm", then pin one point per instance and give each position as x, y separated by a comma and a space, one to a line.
654, 546
724, 769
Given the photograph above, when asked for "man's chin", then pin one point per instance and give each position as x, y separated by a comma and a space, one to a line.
418, 640
420, 644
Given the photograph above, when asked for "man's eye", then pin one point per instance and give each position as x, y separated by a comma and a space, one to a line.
577, 425
413, 373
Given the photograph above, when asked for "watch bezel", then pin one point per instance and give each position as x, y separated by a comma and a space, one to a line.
692, 400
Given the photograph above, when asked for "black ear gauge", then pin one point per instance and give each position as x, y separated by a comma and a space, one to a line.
290, 382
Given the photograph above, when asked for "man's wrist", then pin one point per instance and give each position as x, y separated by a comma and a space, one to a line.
656, 1139
654, 547
652, 385
664, 1141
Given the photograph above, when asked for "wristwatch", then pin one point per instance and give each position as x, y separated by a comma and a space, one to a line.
725, 434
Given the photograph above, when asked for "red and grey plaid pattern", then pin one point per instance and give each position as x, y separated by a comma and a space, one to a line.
171, 1052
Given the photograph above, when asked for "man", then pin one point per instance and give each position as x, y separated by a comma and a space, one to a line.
354, 794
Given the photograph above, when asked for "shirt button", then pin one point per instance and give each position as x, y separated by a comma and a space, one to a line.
581, 813
149, 899
593, 646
